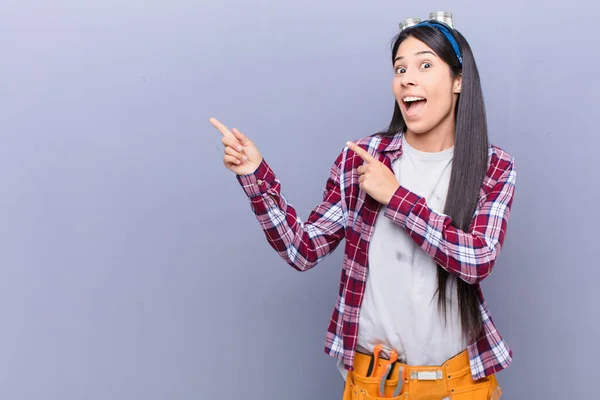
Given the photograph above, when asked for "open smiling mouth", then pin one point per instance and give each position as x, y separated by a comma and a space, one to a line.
413, 105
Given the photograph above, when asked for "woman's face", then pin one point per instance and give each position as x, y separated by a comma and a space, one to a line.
424, 88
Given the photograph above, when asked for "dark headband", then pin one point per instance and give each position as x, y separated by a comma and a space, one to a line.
446, 31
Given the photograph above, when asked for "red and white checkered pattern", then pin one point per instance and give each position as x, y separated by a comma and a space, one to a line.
346, 212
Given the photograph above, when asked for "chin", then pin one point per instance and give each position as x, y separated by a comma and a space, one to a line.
417, 128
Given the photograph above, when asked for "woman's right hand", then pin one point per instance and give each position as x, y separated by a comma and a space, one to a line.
241, 155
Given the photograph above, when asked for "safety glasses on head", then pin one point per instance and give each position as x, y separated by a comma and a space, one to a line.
440, 20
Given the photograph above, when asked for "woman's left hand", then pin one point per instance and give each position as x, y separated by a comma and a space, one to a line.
375, 177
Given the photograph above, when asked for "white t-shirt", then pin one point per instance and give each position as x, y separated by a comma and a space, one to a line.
399, 309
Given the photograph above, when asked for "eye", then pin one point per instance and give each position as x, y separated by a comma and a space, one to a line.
400, 70
426, 65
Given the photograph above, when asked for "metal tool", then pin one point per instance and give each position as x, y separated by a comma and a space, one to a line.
389, 365
383, 379
401, 377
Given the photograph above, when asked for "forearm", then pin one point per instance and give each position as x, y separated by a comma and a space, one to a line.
469, 255
302, 244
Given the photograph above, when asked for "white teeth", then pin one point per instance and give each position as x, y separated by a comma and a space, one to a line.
409, 99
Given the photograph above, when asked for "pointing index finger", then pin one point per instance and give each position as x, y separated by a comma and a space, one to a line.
362, 153
222, 128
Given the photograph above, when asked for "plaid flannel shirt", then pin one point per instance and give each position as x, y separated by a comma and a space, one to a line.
346, 212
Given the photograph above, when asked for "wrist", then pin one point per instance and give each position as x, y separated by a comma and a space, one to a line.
391, 193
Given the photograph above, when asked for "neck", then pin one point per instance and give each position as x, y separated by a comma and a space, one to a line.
434, 141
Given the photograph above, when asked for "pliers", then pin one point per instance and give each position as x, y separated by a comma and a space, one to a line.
386, 374
398, 389
388, 366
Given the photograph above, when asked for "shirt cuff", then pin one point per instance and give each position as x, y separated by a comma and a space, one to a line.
400, 206
258, 182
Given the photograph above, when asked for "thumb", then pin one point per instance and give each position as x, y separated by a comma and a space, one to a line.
241, 137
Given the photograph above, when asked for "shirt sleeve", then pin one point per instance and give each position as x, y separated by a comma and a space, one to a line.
302, 244
468, 255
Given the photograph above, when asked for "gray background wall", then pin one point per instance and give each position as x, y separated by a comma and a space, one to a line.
131, 265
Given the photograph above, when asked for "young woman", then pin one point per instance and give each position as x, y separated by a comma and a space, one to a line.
423, 208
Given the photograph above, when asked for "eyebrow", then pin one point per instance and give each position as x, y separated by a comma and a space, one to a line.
418, 54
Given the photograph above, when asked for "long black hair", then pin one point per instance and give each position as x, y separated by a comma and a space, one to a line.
470, 157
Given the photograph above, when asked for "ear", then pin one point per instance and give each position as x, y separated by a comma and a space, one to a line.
457, 87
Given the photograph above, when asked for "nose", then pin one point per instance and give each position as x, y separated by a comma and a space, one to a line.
409, 78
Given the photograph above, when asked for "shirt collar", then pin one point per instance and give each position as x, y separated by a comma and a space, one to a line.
392, 144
